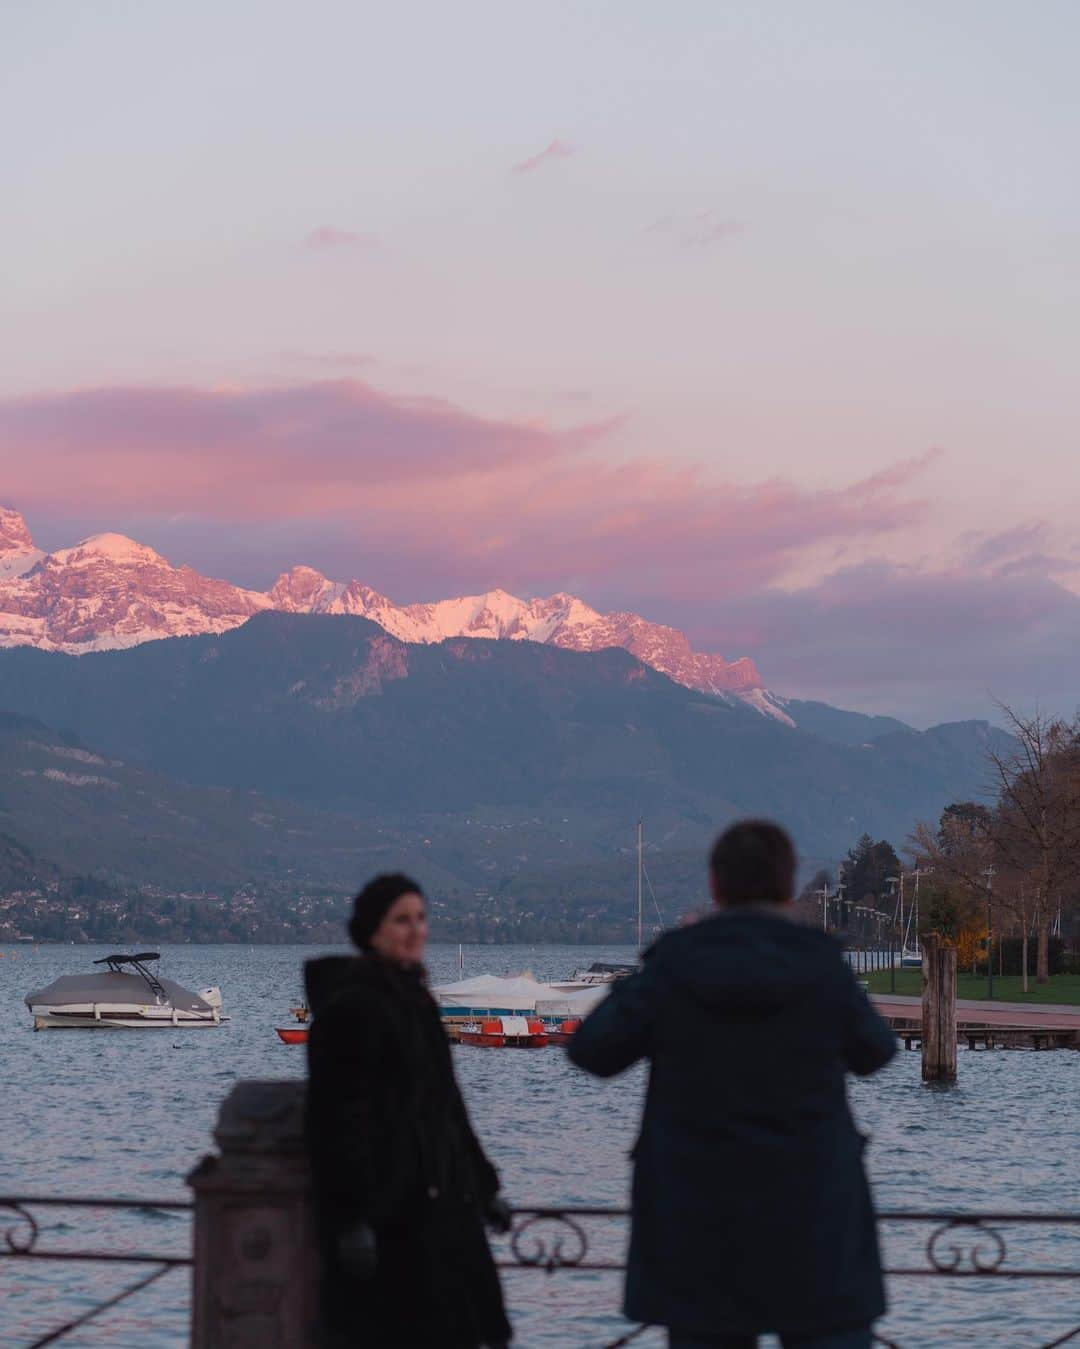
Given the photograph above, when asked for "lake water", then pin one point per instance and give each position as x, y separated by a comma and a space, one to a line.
130, 1114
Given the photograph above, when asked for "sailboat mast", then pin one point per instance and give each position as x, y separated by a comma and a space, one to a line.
639, 896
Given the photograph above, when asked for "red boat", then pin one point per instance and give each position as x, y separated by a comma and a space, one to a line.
295, 1035
564, 1032
505, 1032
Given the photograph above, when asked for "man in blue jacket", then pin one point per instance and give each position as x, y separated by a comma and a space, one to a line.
751, 1208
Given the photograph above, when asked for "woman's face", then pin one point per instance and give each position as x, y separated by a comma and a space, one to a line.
402, 934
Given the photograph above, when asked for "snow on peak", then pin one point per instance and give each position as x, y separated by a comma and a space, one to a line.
111, 591
17, 552
111, 547
13, 531
304, 590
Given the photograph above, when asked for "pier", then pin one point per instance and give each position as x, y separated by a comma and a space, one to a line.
988, 1025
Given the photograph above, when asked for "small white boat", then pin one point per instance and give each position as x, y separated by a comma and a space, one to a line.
599, 972
125, 995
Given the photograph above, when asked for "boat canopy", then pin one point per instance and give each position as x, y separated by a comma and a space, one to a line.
113, 989
129, 960
568, 1005
489, 993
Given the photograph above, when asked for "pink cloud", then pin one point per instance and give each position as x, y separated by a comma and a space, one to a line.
422, 498
423, 494
557, 149
697, 231
928, 642
328, 239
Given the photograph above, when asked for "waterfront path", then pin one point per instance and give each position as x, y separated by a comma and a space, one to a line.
982, 1012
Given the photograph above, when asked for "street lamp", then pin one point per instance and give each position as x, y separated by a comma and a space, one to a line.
989, 874
893, 881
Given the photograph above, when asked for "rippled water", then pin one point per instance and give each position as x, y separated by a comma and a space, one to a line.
96, 1113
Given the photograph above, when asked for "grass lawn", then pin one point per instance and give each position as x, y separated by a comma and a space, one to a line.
1062, 988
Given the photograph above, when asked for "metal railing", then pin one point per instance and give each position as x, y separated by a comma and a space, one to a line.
20, 1231
941, 1244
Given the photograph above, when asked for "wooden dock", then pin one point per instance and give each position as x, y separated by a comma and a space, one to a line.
989, 1025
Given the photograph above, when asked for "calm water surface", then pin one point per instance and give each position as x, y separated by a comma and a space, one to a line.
120, 1113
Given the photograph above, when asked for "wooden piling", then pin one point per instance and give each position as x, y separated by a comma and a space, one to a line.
938, 1010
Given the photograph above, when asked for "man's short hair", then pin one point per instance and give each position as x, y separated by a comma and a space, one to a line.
754, 862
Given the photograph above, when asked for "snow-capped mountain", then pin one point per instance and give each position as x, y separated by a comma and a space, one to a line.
17, 551
109, 592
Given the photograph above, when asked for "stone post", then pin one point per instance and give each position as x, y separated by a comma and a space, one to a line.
255, 1276
938, 1010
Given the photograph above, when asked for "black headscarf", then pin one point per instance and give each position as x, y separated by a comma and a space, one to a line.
373, 903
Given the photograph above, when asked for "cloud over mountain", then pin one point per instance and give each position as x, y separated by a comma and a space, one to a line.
930, 640
423, 497
446, 496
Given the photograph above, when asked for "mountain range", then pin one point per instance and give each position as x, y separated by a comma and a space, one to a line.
171, 733
110, 592
334, 715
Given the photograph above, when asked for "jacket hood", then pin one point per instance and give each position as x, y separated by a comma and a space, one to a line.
754, 960
327, 976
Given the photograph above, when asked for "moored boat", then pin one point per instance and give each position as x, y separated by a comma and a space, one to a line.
563, 1031
126, 995
298, 1034
599, 972
505, 1032
465, 1005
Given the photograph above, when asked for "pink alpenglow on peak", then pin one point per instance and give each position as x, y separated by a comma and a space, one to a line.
110, 591
109, 548
17, 552
14, 532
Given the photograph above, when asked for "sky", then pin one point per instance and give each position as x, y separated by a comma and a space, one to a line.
760, 319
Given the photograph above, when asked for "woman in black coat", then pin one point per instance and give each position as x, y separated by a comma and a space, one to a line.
402, 1186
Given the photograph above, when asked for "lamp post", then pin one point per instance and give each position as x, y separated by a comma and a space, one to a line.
894, 882
990, 931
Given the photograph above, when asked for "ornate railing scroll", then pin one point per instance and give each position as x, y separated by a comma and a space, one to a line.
929, 1244
958, 1244
21, 1239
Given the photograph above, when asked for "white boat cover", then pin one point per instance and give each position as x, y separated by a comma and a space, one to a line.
490, 992
515, 1025
569, 1005
126, 989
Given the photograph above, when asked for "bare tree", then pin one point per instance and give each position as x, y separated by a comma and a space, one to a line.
1037, 822
958, 853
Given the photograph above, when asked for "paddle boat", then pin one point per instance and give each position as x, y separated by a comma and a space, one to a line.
504, 1032
562, 1032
